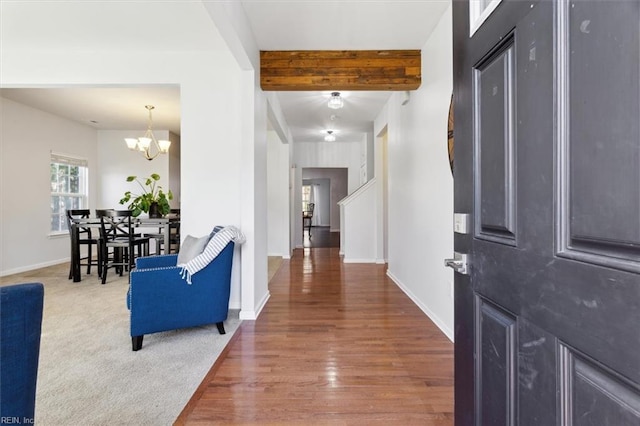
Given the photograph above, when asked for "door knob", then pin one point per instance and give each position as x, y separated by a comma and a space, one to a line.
459, 263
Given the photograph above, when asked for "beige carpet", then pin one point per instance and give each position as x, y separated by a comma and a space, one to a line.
88, 374
273, 264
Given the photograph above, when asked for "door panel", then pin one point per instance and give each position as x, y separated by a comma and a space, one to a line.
547, 105
536, 375
494, 80
592, 395
495, 340
601, 209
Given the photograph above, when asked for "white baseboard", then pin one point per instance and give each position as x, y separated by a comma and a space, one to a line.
433, 317
381, 261
288, 257
253, 315
33, 267
247, 315
334, 230
348, 260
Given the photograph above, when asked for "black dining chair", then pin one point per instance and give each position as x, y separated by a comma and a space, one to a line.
119, 244
307, 217
84, 238
174, 234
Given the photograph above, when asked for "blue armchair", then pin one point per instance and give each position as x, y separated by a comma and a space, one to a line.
160, 299
20, 324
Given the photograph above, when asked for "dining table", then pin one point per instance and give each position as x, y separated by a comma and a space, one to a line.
162, 224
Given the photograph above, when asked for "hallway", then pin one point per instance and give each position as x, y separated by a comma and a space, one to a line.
321, 237
336, 344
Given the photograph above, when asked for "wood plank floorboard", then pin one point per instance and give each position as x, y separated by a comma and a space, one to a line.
336, 344
321, 237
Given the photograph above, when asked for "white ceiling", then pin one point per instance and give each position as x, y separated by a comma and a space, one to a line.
106, 108
339, 25
309, 117
276, 24
105, 25
343, 24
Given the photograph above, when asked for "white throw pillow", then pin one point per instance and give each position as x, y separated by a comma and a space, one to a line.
191, 247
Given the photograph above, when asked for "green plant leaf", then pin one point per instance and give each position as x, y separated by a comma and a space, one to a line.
151, 192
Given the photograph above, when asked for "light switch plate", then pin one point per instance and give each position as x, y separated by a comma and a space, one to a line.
461, 223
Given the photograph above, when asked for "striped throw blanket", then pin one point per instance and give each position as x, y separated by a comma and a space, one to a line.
215, 245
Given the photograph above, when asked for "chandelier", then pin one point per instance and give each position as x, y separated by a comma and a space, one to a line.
335, 102
329, 137
147, 145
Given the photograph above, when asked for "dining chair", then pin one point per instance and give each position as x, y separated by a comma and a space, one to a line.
84, 238
174, 234
119, 244
307, 217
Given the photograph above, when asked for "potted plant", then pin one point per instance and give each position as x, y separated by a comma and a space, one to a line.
151, 200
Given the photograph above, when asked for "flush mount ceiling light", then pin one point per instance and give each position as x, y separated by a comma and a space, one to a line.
147, 145
335, 102
329, 137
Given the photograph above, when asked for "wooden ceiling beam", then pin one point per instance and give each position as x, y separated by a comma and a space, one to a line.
282, 70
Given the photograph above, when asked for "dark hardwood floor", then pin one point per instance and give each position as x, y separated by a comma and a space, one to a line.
337, 344
321, 237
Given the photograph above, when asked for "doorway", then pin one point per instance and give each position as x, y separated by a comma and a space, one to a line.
323, 187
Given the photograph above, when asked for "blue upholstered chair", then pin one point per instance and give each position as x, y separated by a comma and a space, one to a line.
20, 325
160, 299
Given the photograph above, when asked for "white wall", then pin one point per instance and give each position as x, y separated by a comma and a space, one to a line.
116, 162
277, 196
174, 170
209, 130
420, 183
357, 242
369, 158
257, 109
27, 138
331, 154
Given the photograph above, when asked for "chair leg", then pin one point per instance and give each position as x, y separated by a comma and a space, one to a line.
121, 258
103, 254
99, 260
105, 264
89, 258
125, 260
136, 342
221, 327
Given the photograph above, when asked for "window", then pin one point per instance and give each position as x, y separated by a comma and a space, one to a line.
306, 197
479, 11
69, 178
